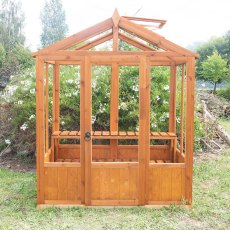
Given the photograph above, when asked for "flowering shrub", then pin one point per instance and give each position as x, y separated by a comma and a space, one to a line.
20, 96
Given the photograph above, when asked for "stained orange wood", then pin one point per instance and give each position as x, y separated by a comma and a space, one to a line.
47, 107
114, 174
95, 42
172, 102
40, 129
166, 183
82, 128
182, 111
144, 126
118, 182
134, 42
190, 78
78, 37
62, 183
88, 128
114, 101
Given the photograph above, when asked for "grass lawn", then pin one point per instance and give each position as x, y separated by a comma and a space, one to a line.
211, 205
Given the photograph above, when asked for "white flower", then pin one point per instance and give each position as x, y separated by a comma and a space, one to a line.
20, 102
123, 106
135, 88
166, 87
157, 97
178, 120
32, 91
70, 81
7, 141
24, 127
62, 122
31, 117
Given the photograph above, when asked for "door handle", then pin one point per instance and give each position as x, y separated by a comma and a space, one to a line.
87, 136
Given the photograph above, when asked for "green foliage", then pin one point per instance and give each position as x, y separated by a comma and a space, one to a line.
214, 69
21, 97
225, 93
23, 56
54, 27
159, 98
11, 24
13, 55
216, 44
22, 100
2, 54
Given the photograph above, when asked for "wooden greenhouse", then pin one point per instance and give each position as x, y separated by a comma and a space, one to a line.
156, 166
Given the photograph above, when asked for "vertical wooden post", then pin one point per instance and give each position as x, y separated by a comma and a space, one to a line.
114, 103
182, 112
172, 99
144, 127
82, 130
115, 38
47, 107
56, 107
114, 90
190, 67
172, 109
88, 128
56, 97
40, 129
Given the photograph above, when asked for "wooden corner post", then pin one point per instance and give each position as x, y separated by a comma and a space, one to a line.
144, 128
40, 128
190, 67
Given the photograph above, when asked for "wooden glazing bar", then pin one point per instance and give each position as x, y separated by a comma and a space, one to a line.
114, 102
172, 100
182, 111
56, 97
47, 107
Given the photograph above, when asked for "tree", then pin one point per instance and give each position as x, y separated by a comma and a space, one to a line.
13, 55
11, 24
215, 69
54, 27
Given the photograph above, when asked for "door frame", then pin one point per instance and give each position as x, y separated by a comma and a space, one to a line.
86, 125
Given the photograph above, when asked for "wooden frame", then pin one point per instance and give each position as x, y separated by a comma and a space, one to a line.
88, 174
